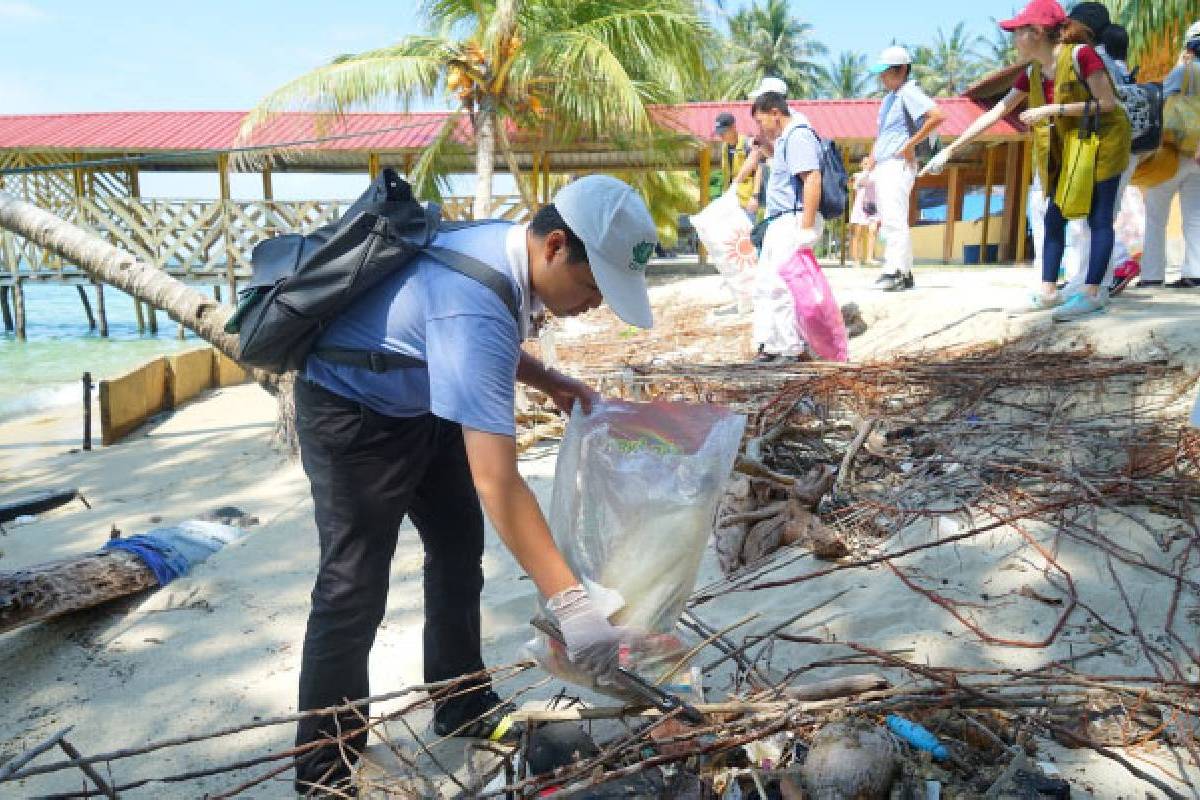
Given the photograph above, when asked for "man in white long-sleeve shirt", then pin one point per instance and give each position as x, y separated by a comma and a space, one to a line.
906, 118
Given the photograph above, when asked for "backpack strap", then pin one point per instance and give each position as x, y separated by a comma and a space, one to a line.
479, 271
459, 262
796, 181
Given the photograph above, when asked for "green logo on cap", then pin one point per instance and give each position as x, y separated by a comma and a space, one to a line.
641, 254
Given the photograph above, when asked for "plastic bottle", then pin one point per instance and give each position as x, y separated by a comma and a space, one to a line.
917, 735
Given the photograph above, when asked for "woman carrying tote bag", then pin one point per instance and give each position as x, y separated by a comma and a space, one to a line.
1081, 140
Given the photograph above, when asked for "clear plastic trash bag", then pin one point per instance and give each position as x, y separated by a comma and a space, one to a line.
635, 491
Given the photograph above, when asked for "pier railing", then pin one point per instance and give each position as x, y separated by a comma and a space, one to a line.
197, 241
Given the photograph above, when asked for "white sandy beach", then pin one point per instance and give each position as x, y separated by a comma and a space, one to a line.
221, 646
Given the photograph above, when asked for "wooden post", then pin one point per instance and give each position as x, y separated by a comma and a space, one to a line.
151, 320
223, 180
534, 158
373, 165
101, 313
19, 308
951, 215
87, 307
217, 293
6, 309
87, 411
268, 189
135, 186
987, 206
1012, 167
1023, 192
182, 332
705, 157
141, 318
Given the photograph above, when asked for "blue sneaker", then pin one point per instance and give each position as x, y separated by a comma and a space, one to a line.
1077, 305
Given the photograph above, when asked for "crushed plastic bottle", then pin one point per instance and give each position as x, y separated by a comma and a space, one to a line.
917, 735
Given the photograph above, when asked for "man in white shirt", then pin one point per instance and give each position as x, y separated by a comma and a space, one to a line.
907, 117
793, 222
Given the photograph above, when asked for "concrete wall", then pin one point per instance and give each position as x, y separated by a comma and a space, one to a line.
126, 402
928, 239
161, 384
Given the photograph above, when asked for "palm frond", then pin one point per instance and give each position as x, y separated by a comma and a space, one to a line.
408, 70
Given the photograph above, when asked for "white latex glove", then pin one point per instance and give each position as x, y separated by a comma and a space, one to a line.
593, 643
937, 163
807, 237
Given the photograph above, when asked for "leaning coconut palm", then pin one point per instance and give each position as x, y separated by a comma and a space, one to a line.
557, 70
768, 40
846, 77
105, 263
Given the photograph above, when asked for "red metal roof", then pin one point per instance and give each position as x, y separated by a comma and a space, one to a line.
141, 131
833, 119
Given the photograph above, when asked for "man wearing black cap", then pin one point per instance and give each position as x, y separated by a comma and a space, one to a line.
735, 150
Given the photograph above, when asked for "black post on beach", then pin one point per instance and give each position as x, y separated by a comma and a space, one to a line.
87, 307
19, 308
217, 293
6, 309
141, 317
152, 318
87, 411
100, 312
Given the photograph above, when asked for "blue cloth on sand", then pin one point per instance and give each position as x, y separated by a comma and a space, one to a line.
171, 552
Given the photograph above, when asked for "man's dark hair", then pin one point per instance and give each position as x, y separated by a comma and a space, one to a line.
1116, 42
770, 101
907, 70
548, 219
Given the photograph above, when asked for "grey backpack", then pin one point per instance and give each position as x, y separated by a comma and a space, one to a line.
301, 283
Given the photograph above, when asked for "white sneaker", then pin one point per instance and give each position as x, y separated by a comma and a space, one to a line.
1040, 302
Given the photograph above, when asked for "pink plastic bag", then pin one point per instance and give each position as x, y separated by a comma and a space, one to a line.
818, 317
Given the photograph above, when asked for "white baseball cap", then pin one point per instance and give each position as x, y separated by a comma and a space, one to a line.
891, 57
619, 235
1193, 32
769, 85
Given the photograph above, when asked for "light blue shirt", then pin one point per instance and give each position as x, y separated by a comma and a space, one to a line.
893, 127
1174, 82
797, 151
466, 336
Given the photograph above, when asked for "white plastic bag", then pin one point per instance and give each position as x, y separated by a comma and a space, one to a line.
635, 490
724, 230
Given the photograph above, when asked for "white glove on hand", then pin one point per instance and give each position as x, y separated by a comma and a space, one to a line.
937, 163
807, 237
592, 641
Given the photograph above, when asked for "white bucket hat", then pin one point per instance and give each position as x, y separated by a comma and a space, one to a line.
619, 235
1193, 32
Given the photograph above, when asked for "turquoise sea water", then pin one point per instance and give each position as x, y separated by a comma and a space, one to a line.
44, 371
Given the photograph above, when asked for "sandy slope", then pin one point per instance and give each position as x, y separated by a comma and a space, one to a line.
221, 646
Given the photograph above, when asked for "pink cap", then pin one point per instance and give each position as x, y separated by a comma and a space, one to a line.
1046, 13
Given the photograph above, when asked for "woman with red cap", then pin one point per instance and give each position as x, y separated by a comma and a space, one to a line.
1065, 81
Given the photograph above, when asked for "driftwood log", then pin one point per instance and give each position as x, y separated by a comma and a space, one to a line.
61, 587
757, 516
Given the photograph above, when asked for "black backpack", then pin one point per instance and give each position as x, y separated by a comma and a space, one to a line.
301, 283
835, 182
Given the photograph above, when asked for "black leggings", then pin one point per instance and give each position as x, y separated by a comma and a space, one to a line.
1100, 220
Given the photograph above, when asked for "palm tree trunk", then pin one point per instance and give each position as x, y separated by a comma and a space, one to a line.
485, 156
108, 264
189, 307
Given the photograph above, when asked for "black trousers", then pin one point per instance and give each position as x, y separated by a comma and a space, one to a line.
367, 471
